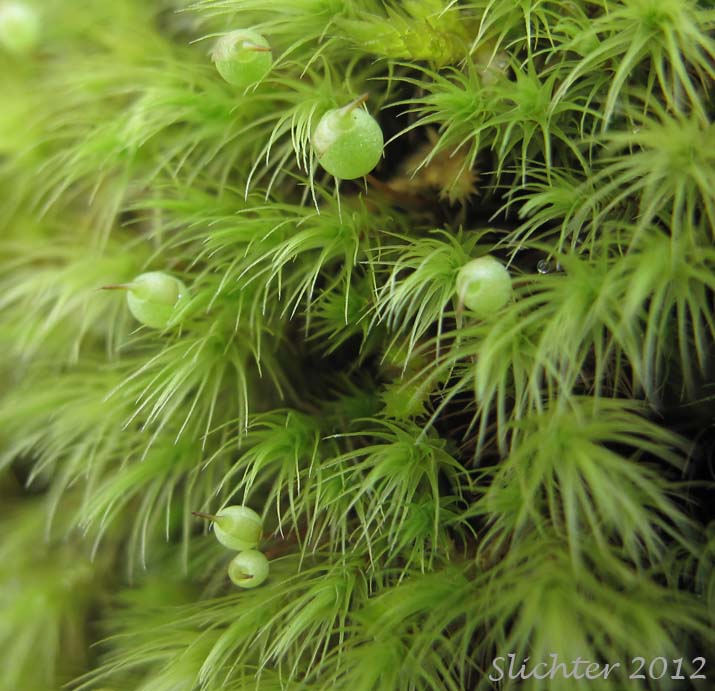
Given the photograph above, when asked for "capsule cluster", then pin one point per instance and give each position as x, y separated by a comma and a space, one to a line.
347, 141
239, 528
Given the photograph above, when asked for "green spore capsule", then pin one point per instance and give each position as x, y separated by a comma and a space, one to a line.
248, 569
242, 57
153, 297
348, 141
236, 527
19, 27
483, 286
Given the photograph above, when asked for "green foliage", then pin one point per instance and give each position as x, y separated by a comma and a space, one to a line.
669, 41
563, 473
438, 486
45, 611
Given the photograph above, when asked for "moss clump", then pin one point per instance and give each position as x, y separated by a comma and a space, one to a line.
440, 487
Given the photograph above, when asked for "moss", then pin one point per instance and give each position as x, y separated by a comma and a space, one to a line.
439, 488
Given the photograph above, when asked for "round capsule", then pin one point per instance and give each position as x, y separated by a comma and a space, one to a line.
348, 141
152, 298
242, 57
236, 527
248, 569
484, 286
